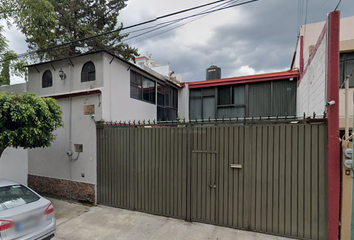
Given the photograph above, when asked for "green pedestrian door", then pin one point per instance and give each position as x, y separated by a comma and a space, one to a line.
221, 176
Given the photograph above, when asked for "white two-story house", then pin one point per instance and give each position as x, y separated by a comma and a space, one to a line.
93, 87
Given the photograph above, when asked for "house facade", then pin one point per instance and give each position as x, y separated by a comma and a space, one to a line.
90, 88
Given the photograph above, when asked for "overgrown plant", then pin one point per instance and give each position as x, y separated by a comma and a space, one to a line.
28, 121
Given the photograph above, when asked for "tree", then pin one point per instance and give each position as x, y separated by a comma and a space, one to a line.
79, 19
28, 121
9, 63
48, 23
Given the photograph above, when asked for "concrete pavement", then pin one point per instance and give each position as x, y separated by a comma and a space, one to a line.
76, 222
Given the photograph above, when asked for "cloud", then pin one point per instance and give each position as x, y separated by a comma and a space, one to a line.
260, 36
254, 38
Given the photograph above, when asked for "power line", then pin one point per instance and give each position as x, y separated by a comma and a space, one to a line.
135, 25
173, 22
337, 5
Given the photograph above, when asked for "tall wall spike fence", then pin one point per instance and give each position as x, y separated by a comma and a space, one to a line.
259, 174
246, 120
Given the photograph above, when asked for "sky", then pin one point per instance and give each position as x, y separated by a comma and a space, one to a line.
254, 38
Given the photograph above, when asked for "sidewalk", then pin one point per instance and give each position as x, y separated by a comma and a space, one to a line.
76, 222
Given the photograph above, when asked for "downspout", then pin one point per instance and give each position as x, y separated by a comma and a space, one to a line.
70, 131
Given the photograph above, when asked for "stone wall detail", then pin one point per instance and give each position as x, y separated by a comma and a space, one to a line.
62, 188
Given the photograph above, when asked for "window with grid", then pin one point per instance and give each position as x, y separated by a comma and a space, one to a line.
142, 88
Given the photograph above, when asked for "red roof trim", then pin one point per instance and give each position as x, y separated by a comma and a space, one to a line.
140, 58
77, 94
244, 79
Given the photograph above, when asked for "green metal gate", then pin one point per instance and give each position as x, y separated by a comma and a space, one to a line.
268, 178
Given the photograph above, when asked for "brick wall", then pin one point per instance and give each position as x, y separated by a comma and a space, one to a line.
311, 90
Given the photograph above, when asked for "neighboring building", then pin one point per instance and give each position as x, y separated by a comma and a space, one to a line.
92, 87
306, 44
271, 94
148, 63
317, 57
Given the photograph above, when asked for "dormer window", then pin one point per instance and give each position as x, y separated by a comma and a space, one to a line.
88, 72
47, 79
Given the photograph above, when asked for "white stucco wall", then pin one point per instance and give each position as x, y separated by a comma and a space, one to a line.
117, 104
72, 82
183, 102
53, 161
14, 165
311, 91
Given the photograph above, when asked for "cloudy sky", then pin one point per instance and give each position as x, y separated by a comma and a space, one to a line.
249, 39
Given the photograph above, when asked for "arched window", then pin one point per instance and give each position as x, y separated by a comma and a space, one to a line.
47, 79
88, 72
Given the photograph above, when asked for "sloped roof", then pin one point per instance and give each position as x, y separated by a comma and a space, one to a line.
244, 79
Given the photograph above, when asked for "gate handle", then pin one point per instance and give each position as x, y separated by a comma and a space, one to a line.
212, 186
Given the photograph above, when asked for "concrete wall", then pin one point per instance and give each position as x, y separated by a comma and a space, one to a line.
311, 89
14, 165
15, 88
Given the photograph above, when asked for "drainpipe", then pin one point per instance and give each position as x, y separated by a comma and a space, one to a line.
70, 131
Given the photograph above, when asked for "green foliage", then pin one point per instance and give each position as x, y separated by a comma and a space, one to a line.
28, 121
3, 43
36, 19
5, 67
79, 19
9, 63
47, 23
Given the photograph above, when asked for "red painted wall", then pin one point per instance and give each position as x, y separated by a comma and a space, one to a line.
333, 151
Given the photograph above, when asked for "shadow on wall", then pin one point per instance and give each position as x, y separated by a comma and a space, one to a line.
14, 165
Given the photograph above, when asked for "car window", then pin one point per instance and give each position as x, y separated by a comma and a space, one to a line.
14, 196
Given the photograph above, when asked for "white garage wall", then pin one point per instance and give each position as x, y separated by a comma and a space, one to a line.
14, 165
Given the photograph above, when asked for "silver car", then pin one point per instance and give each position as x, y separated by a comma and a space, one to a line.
24, 215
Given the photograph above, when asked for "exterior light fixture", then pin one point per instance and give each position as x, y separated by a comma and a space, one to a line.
62, 74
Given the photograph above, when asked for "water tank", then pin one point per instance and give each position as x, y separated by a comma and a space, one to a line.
213, 72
